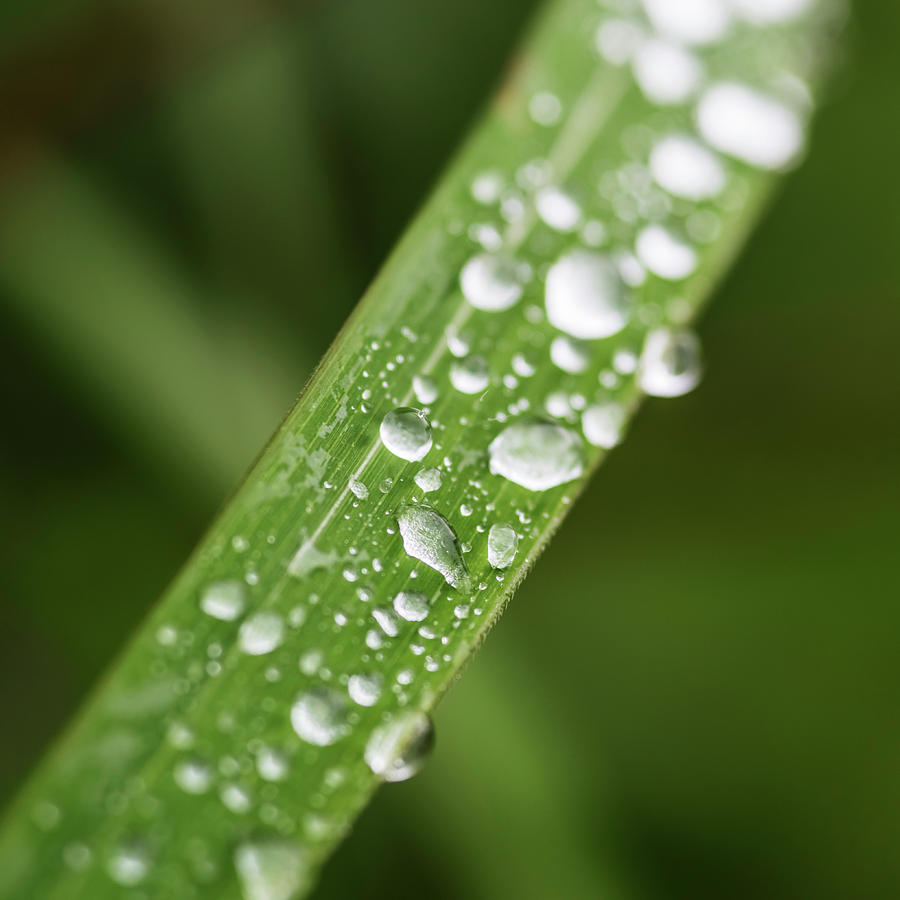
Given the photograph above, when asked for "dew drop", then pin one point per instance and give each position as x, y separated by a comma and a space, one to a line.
223, 600
689, 21
685, 168
569, 354
425, 389
545, 108
320, 716
128, 865
398, 750
261, 633
617, 40
670, 363
428, 480
411, 605
603, 424
769, 12
387, 620
428, 537
193, 776
271, 764
358, 489
406, 433
585, 296
236, 798
271, 870
470, 375
365, 690
487, 187
666, 72
664, 254
492, 281
537, 455
503, 542
557, 208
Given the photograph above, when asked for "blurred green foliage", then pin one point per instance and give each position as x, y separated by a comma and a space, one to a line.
193, 195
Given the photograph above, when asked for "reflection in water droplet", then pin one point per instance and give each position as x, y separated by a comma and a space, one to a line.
492, 281
666, 72
537, 455
664, 254
670, 363
428, 480
603, 423
411, 605
585, 296
428, 537
749, 125
398, 750
320, 716
223, 600
503, 542
406, 433
261, 633
271, 870
365, 689
685, 168
470, 375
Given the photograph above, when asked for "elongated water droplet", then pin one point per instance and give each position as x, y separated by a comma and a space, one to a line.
320, 716
411, 605
537, 455
406, 433
685, 168
670, 363
428, 480
664, 254
387, 620
470, 375
261, 633
398, 750
365, 689
223, 600
428, 537
492, 281
503, 542
585, 296
358, 489
271, 870
603, 423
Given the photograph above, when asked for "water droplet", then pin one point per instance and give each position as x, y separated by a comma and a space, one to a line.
223, 600
398, 750
749, 125
502, 545
666, 72
320, 716
387, 620
271, 764
569, 354
585, 296
545, 108
261, 633
617, 40
128, 865
492, 281
236, 798
428, 537
425, 389
768, 12
557, 209
271, 870
689, 21
411, 605
358, 489
428, 480
406, 433
180, 736
670, 363
664, 254
487, 187
537, 455
470, 375
603, 424
685, 168
193, 776
365, 690
522, 366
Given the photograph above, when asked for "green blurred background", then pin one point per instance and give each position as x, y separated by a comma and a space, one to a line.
697, 693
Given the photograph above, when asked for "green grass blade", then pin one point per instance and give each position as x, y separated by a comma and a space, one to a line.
227, 753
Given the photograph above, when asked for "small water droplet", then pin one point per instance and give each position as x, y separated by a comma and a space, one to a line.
320, 716
685, 168
128, 865
617, 40
768, 12
271, 870
406, 433
570, 354
537, 455
666, 72
223, 600
470, 375
398, 750
428, 480
545, 108
664, 254
358, 489
387, 620
670, 363
689, 21
194, 776
425, 389
365, 689
503, 542
492, 281
428, 537
603, 423
261, 633
236, 798
271, 764
411, 605
487, 187
557, 208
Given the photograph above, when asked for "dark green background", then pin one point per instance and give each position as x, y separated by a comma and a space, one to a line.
697, 692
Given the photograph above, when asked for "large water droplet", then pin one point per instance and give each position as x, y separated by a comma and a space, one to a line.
750, 126
603, 423
411, 605
502, 545
537, 455
664, 254
428, 480
670, 363
685, 168
470, 375
428, 537
398, 750
320, 716
406, 433
492, 281
271, 870
585, 295
223, 600
261, 633
365, 689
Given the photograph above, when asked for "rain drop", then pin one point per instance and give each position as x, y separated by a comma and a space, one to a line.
193, 776
425, 389
670, 363
685, 168
492, 281
223, 600
398, 750
470, 375
603, 424
128, 866
428, 537
320, 716
428, 480
365, 690
664, 254
502, 545
537, 455
411, 605
261, 633
271, 870
406, 433
557, 209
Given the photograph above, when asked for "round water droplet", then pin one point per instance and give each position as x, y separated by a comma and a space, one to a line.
617, 40
223, 600
425, 389
769, 12
428, 537
503, 542
585, 296
492, 281
320, 716
236, 798
261, 633
365, 689
570, 355
545, 108
557, 209
689, 21
128, 865
428, 480
398, 750
537, 455
685, 168
411, 605
603, 423
358, 489
272, 870
666, 72
470, 375
664, 254
193, 776
271, 764
670, 363
406, 433
487, 187
749, 125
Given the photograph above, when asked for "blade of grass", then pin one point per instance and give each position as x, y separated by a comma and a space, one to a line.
227, 752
